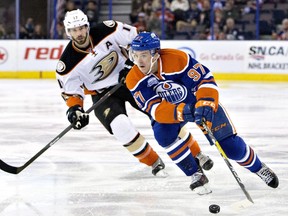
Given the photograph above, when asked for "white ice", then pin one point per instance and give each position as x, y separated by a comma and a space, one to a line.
89, 173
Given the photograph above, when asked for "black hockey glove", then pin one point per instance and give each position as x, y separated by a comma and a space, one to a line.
77, 117
123, 73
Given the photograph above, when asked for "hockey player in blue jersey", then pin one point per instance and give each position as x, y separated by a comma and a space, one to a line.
174, 89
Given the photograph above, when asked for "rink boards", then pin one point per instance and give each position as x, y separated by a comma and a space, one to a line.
228, 60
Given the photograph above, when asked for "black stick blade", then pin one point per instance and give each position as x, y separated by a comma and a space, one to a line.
10, 169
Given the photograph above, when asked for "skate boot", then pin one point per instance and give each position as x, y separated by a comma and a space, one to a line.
199, 183
204, 161
158, 168
268, 176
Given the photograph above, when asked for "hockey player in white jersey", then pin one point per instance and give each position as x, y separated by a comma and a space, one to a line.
92, 63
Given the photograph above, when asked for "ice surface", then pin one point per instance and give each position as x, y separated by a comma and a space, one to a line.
89, 173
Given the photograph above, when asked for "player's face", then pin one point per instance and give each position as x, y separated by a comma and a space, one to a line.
143, 60
79, 34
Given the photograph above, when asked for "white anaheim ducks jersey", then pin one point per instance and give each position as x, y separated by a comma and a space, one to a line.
99, 68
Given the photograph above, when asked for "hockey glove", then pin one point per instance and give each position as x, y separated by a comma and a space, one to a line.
184, 112
204, 111
123, 73
77, 117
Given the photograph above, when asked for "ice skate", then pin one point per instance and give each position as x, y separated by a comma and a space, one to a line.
199, 183
204, 161
268, 176
158, 169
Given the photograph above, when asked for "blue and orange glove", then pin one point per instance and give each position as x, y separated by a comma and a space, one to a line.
205, 109
184, 112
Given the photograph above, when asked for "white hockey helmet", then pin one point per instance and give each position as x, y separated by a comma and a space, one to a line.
73, 19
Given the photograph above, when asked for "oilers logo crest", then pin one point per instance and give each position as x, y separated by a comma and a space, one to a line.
171, 92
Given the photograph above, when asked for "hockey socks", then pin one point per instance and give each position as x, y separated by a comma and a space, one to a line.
142, 150
236, 149
179, 151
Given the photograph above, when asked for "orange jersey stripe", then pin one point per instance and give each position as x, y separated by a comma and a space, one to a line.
133, 77
165, 113
206, 92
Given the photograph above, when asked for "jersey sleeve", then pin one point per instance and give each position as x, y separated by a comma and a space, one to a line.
125, 34
206, 86
67, 77
71, 89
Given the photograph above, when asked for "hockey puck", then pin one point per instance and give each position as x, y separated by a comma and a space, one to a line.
214, 209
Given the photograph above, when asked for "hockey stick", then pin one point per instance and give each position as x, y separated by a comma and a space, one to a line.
224, 156
15, 170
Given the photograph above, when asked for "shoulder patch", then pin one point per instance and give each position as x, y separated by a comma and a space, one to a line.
60, 66
109, 23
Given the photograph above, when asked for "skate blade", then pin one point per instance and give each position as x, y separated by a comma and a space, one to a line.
161, 174
203, 190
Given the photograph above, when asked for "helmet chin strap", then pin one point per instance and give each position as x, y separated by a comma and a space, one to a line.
153, 61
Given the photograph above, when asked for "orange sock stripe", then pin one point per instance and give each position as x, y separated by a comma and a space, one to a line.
250, 159
185, 145
194, 147
144, 153
142, 150
148, 157
179, 151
